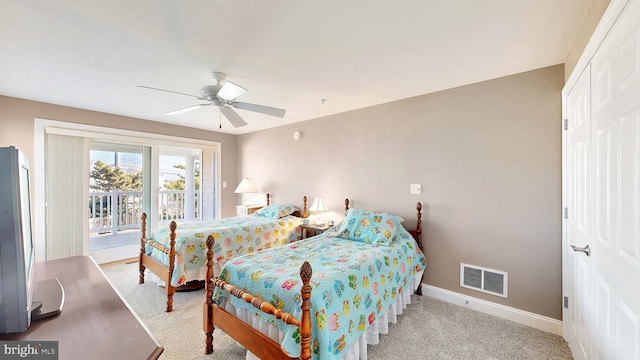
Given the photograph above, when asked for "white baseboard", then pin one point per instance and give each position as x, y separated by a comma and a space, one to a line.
539, 322
108, 255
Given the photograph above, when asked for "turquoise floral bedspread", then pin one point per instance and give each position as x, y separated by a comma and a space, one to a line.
233, 236
353, 283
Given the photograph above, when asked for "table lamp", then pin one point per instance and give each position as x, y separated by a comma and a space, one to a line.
246, 186
318, 207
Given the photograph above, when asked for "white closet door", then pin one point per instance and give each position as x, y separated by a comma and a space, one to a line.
66, 184
578, 264
602, 193
615, 82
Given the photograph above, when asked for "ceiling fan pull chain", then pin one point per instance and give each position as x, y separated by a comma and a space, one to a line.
220, 117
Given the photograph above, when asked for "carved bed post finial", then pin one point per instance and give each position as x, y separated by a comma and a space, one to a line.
268, 199
143, 238
143, 228
305, 211
208, 311
305, 322
346, 206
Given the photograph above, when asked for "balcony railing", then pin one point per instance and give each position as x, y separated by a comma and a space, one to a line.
114, 211
172, 205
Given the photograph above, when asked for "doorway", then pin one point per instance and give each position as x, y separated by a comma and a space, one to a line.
116, 199
85, 216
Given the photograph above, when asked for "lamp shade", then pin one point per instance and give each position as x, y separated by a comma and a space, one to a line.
246, 186
319, 205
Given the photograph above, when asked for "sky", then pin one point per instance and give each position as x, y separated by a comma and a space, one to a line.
132, 162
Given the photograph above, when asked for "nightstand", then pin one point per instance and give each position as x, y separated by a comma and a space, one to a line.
242, 210
312, 230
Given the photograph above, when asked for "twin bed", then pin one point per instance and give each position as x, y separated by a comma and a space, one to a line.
353, 280
177, 255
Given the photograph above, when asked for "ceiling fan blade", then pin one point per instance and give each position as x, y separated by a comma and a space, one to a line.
169, 91
230, 91
232, 116
259, 108
184, 110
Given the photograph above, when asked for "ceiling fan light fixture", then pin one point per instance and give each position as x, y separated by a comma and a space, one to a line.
209, 92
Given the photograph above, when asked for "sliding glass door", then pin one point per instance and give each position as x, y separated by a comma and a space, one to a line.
99, 181
118, 195
179, 179
116, 199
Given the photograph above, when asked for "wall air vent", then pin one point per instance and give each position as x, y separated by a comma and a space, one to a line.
482, 279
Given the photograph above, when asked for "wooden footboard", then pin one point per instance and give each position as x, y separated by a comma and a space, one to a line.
165, 272
147, 262
252, 339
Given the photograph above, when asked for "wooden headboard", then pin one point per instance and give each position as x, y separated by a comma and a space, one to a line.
417, 233
303, 214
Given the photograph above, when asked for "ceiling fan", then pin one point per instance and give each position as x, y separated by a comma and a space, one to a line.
222, 95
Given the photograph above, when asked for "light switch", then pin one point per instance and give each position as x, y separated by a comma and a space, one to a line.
415, 189
224, 184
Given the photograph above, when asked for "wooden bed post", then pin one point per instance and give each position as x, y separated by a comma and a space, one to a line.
305, 211
172, 259
207, 311
268, 199
143, 236
305, 322
418, 237
346, 206
419, 225
145, 261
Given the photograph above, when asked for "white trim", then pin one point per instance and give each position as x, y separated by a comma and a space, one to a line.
121, 252
123, 136
614, 10
536, 321
85, 200
39, 208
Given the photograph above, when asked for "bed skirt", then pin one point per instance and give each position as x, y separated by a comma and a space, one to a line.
358, 351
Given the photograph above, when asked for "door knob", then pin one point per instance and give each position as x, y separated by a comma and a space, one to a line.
586, 249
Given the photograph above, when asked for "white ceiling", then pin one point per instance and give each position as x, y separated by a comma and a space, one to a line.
289, 54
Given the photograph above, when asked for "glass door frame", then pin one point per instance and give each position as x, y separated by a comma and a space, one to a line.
44, 126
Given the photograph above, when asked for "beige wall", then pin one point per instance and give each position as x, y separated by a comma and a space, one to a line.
488, 156
17, 126
589, 24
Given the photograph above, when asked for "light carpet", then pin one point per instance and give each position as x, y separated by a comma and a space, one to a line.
428, 329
